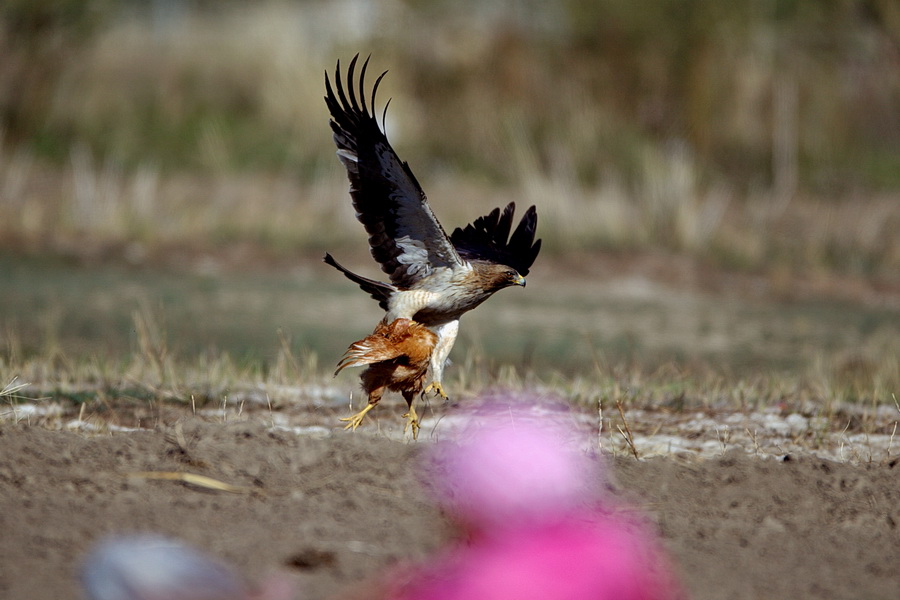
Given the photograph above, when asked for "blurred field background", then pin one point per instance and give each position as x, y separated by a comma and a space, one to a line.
168, 182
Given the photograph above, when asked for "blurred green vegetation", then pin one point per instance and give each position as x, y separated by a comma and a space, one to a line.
756, 134
59, 319
753, 135
588, 84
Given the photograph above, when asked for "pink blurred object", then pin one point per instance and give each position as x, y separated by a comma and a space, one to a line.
571, 559
514, 463
150, 567
528, 494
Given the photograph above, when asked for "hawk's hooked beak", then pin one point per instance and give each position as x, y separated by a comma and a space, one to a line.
519, 280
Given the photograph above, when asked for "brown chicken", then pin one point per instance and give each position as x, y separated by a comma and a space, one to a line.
398, 355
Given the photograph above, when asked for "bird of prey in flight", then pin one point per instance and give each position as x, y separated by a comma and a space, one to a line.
434, 278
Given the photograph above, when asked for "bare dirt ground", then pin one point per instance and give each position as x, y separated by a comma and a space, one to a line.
335, 509
786, 497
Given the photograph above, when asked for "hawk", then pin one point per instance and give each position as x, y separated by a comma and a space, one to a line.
397, 354
434, 278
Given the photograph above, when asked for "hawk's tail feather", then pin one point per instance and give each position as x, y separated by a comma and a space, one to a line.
378, 290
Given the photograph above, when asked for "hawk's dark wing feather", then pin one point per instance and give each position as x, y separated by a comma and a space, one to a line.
404, 235
488, 239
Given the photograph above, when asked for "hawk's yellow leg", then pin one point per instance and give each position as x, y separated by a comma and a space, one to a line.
412, 422
437, 388
354, 421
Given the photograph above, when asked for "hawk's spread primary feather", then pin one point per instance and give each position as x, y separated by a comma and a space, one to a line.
434, 278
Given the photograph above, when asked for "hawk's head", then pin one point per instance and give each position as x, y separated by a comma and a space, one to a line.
496, 277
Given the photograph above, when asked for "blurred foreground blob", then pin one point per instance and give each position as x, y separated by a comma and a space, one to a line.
397, 355
513, 461
148, 567
538, 527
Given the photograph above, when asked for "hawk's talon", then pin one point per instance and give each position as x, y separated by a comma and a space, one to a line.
356, 420
437, 388
412, 422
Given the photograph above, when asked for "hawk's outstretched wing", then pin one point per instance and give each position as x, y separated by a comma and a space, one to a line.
486, 239
404, 235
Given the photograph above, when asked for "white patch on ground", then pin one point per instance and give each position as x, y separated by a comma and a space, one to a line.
88, 427
692, 434
23, 412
